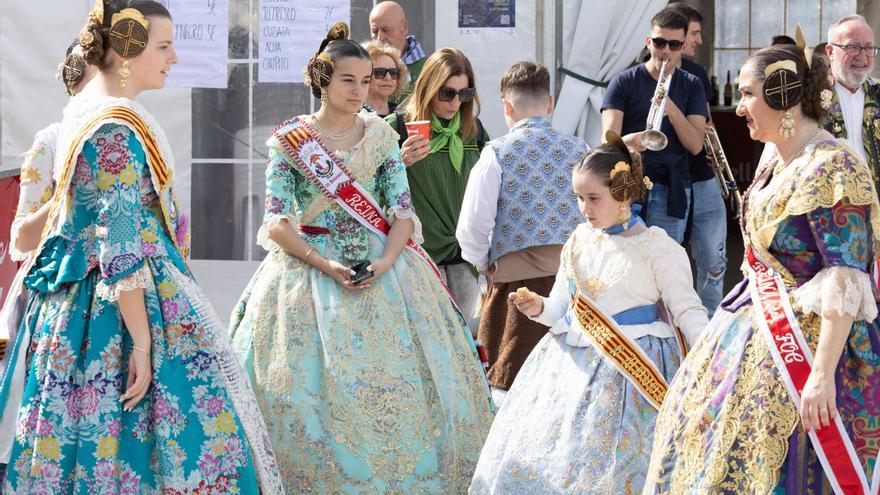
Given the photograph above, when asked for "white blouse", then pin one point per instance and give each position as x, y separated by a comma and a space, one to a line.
37, 182
621, 273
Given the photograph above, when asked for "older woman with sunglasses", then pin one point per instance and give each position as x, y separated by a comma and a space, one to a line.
438, 168
389, 78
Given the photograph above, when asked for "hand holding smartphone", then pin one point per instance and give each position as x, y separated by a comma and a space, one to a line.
361, 272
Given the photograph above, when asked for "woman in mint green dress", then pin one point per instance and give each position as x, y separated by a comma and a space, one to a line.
130, 385
370, 387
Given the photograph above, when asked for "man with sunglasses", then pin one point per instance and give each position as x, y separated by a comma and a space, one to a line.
388, 24
854, 112
708, 215
625, 110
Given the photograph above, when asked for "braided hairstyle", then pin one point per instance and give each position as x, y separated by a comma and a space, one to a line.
784, 88
95, 38
620, 168
335, 47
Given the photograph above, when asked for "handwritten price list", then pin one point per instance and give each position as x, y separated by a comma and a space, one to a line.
290, 33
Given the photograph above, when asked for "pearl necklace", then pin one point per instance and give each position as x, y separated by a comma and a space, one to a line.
336, 137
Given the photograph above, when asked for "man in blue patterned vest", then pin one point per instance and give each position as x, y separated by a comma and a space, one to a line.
518, 211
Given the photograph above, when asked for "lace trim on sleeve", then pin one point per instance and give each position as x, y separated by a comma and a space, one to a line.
263, 239
838, 290
141, 279
395, 212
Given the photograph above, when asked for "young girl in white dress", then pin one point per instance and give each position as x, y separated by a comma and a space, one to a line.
580, 416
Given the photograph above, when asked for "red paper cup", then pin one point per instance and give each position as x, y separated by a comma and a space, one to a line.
419, 128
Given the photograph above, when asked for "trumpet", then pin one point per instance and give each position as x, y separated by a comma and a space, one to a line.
652, 137
723, 174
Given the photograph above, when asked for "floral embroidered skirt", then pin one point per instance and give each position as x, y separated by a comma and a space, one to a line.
728, 425
185, 436
378, 391
571, 423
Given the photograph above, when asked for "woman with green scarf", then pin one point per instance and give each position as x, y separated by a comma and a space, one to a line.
438, 169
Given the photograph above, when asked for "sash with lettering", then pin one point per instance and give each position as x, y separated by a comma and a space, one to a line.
621, 351
794, 360
334, 180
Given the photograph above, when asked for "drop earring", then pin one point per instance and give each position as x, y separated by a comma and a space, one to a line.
624, 213
124, 72
786, 125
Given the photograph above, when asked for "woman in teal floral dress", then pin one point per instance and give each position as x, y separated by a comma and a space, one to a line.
369, 387
130, 383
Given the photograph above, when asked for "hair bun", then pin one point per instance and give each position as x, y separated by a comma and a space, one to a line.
783, 89
338, 31
73, 70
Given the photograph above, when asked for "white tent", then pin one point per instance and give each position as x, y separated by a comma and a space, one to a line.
604, 42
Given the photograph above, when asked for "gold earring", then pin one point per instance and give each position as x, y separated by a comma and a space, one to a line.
323, 95
124, 72
786, 125
624, 213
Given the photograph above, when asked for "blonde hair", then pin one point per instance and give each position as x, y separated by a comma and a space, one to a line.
440, 66
376, 49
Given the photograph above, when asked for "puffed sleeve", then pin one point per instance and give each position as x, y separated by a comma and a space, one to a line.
843, 285
280, 196
393, 186
118, 163
673, 277
37, 184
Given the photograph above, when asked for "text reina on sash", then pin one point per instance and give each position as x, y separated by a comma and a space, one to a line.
361, 206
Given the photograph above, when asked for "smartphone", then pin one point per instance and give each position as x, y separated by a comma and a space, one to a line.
361, 272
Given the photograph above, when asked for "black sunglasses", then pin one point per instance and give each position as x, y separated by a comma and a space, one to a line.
660, 43
379, 73
464, 94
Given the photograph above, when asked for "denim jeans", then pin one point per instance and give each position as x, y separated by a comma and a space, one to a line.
709, 242
656, 213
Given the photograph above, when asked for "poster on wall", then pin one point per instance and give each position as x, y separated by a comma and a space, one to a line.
201, 40
290, 33
482, 14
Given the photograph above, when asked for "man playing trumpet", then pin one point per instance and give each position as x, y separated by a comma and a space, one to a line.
626, 108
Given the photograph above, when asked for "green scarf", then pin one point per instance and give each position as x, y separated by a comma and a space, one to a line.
448, 136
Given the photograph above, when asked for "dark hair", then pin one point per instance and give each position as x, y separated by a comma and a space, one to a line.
813, 79
73, 68
526, 78
670, 19
625, 186
692, 14
335, 47
98, 44
782, 39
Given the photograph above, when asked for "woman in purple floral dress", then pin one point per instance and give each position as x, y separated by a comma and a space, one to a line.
743, 414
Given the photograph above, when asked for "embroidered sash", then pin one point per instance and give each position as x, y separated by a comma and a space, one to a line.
621, 351
334, 180
794, 360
